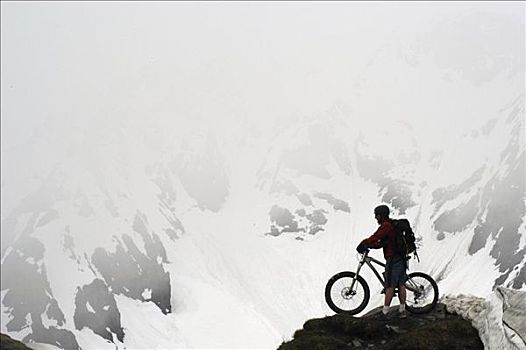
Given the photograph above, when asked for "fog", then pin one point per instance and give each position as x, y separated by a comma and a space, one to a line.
87, 73
211, 162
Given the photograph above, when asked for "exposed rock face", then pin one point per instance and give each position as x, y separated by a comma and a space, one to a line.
494, 204
130, 272
337, 204
30, 299
436, 330
133, 268
306, 220
8, 343
95, 308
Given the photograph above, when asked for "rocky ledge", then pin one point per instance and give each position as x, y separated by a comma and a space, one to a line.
8, 343
438, 329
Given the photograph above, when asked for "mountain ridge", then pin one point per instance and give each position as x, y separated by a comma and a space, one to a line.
121, 234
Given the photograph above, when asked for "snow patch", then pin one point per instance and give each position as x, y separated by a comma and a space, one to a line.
42, 346
147, 294
89, 307
499, 319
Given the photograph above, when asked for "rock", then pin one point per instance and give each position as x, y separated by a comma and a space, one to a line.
394, 329
435, 330
8, 343
356, 343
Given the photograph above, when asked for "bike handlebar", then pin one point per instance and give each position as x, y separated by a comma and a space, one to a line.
365, 251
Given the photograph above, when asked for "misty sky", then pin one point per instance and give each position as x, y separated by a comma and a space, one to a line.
88, 70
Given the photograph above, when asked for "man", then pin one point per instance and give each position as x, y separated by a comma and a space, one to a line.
395, 275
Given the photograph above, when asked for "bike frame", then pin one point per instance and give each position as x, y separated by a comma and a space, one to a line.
410, 285
366, 259
369, 261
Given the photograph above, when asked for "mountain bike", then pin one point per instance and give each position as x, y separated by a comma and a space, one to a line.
349, 292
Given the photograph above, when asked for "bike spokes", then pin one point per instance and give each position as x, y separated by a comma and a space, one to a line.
422, 293
341, 298
344, 297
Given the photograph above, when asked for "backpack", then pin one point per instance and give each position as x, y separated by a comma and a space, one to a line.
405, 237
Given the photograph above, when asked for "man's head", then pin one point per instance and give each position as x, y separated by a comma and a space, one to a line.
381, 213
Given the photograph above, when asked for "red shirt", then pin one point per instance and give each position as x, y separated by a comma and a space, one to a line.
383, 237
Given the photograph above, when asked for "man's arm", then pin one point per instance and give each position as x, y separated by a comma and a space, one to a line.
377, 239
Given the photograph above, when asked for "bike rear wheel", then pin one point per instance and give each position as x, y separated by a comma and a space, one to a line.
422, 293
341, 298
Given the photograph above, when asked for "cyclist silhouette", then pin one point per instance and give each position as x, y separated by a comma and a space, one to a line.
395, 267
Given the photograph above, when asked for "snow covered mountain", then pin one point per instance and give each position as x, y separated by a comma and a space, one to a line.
166, 190
212, 247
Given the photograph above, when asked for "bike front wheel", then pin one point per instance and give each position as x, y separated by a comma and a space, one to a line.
422, 293
341, 298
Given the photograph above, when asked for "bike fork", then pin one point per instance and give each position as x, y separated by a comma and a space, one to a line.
356, 276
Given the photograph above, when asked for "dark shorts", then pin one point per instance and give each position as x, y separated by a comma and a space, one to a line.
395, 272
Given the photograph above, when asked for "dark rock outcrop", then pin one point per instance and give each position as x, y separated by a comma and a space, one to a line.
96, 308
29, 299
8, 343
436, 330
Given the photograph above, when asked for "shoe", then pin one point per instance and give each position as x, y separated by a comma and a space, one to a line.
402, 314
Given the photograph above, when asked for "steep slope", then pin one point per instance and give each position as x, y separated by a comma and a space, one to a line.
146, 239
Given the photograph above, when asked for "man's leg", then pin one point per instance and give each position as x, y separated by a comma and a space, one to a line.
389, 292
389, 288
402, 297
401, 294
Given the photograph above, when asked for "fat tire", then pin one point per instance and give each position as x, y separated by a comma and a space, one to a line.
427, 308
332, 281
